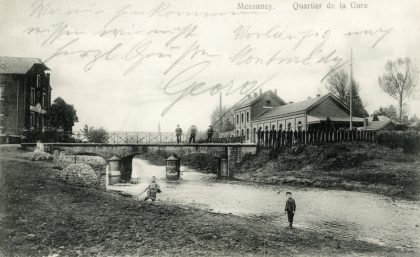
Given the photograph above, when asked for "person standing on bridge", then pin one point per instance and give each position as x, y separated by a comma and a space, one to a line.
193, 132
290, 208
178, 133
152, 190
210, 133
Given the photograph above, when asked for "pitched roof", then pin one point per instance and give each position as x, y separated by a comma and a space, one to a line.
250, 100
18, 65
380, 118
290, 108
301, 106
415, 124
378, 124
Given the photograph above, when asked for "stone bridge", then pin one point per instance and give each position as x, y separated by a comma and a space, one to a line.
229, 154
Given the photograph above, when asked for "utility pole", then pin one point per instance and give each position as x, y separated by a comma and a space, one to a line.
351, 89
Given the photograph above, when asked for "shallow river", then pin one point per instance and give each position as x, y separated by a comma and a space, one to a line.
342, 214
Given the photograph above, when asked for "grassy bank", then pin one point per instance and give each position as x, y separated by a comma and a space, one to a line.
351, 166
41, 217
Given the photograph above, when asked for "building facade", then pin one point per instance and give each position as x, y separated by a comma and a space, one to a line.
267, 111
25, 96
246, 111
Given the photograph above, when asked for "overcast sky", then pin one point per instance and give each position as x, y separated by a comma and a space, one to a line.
127, 65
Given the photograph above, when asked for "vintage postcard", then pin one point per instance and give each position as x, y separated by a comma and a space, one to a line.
209, 128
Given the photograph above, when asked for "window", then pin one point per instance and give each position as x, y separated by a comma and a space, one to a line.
242, 117
31, 120
38, 81
280, 127
299, 126
1, 92
44, 100
237, 118
237, 132
247, 133
247, 116
289, 126
242, 132
32, 100
268, 102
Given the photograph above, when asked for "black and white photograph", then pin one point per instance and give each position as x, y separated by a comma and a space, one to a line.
209, 128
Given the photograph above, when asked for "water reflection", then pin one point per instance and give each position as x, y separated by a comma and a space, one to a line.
342, 214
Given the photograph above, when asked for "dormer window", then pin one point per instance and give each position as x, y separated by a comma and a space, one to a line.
268, 102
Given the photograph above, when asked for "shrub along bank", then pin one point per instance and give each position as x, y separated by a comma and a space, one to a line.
350, 165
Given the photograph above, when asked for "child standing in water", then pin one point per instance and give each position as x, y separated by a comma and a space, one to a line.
152, 190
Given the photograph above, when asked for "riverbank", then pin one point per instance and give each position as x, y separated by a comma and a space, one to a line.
355, 166
41, 217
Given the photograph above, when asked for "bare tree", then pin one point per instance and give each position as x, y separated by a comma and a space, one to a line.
337, 84
399, 81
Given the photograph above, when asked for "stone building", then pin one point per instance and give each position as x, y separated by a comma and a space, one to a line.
25, 96
267, 111
252, 107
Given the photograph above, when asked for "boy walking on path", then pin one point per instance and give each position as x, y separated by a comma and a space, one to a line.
290, 208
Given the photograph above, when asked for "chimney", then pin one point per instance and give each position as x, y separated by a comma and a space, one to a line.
260, 91
318, 95
249, 96
290, 102
309, 97
275, 91
255, 94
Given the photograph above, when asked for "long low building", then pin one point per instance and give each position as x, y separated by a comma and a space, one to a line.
267, 111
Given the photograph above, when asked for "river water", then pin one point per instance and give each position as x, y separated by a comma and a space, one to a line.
342, 214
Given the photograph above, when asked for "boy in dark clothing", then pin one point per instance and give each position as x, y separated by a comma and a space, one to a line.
290, 208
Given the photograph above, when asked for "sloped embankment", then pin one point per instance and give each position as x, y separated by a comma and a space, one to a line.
352, 166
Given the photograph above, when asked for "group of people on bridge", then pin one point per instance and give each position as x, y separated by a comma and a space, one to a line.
193, 133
